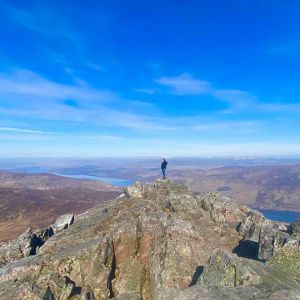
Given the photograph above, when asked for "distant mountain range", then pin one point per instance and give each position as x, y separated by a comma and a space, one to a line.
261, 187
36, 200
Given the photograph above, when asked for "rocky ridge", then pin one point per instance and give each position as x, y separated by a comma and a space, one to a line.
155, 241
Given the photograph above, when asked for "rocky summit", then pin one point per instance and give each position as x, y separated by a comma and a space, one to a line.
155, 241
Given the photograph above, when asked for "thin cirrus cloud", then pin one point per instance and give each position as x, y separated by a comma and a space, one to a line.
76, 104
33, 96
23, 130
40, 20
42, 99
29, 83
237, 126
238, 100
186, 84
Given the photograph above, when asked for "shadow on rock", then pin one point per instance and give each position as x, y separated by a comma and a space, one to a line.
247, 249
197, 274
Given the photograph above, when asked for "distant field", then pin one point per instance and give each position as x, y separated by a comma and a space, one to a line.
37, 200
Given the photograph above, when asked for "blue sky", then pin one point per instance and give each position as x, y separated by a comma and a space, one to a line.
149, 78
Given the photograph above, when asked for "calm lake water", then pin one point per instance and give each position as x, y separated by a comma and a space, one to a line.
113, 181
281, 216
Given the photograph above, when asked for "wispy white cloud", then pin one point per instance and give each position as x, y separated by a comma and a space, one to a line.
185, 84
25, 82
22, 130
145, 91
31, 95
277, 107
31, 91
94, 66
101, 137
231, 126
39, 19
237, 100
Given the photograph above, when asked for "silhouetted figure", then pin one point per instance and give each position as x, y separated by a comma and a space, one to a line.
164, 167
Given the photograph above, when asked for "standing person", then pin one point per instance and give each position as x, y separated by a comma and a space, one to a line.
164, 167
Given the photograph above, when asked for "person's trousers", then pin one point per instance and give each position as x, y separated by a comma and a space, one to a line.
163, 172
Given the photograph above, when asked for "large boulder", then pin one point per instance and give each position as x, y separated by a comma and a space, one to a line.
252, 225
63, 222
137, 190
223, 209
225, 269
294, 228
270, 241
19, 248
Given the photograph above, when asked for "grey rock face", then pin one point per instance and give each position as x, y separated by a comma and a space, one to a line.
227, 276
29, 242
137, 190
252, 225
155, 242
16, 249
270, 241
262, 235
227, 270
295, 228
63, 222
224, 210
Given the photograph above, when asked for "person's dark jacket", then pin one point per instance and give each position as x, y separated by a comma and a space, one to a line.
164, 164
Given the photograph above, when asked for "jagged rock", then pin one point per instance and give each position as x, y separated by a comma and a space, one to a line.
280, 226
223, 209
252, 225
19, 248
227, 270
270, 241
26, 244
294, 228
20, 269
63, 222
227, 276
240, 293
261, 237
152, 243
137, 190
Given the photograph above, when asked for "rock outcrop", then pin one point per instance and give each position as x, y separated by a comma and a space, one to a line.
29, 242
63, 222
270, 241
294, 228
227, 270
156, 241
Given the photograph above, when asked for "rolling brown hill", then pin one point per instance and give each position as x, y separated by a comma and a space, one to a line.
36, 200
260, 187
